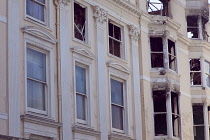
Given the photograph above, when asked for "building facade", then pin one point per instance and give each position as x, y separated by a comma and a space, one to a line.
104, 70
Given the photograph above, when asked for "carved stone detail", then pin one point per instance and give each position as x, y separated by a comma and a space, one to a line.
100, 15
134, 33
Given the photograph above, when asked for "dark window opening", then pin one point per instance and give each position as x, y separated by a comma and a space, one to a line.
156, 45
172, 55
195, 72
160, 113
175, 113
198, 120
79, 22
158, 7
115, 40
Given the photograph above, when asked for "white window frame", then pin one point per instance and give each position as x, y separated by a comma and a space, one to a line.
47, 14
47, 48
168, 118
165, 53
122, 42
206, 74
201, 73
84, 61
87, 41
121, 76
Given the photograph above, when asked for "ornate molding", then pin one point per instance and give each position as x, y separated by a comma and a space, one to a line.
118, 66
40, 120
83, 52
85, 130
134, 32
116, 136
39, 33
100, 15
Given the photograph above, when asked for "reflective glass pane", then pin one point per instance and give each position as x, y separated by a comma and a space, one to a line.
35, 95
80, 79
36, 65
81, 110
117, 92
117, 117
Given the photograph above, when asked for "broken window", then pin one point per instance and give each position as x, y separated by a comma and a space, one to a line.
171, 55
196, 27
79, 22
160, 101
157, 53
207, 73
156, 45
198, 120
158, 7
195, 72
115, 42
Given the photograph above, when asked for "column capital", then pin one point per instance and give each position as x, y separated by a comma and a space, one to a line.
100, 15
134, 33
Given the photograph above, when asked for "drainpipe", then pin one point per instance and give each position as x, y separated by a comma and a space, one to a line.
59, 94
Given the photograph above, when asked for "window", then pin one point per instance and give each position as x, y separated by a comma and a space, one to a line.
115, 40
164, 114
196, 27
207, 73
81, 92
117, 104
80, 23
157, 53
195, 72
158, 7
36, 9
36, 80
198, 120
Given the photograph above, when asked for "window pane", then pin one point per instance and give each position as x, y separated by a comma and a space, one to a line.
160, 125
195, 65
117, 117
42, 1
156, 44
114, 47
35, 95
171, 47
79, 22
172, 62
117, 92
156, 60
175, 121
117, 33
199, 133
174, 103
111, 29
198, 115
195, 78
35, 10
81, 110
159, 101
80, 79
36, 65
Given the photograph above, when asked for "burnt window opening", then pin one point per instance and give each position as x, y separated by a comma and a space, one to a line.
196, 27
79, 22
198, 120
156, 45
158, 7
160, 100
195, 72
115, 42
171, 55
157, 53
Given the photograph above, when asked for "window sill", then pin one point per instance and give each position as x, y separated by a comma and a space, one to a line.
165, 138
36, 22
118, 58
81, 42
84, 129
119, 136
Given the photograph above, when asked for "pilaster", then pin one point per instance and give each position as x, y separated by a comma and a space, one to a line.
100, 17
14, 68
134, 37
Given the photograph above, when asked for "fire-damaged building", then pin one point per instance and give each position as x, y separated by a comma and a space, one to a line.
104, 70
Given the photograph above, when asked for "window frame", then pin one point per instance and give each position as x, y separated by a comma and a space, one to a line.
206, 75
169, 120
200, 71
87, 41
122, 46
45, 47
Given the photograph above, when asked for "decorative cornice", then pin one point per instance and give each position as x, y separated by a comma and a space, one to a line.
100, 14
134, 33
83, 52
40, 120
127, 5
118, 66
85, 130
116, 136
39, 33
